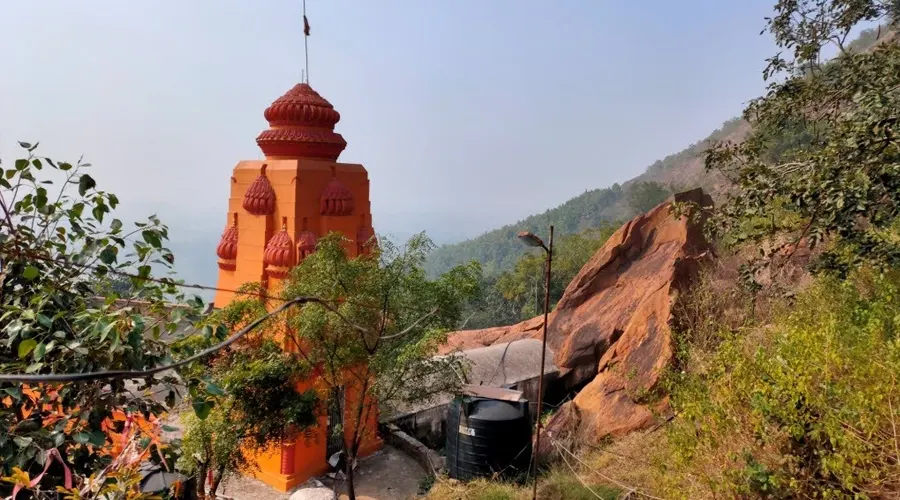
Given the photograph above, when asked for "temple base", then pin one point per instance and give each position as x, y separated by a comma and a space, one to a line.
269, 466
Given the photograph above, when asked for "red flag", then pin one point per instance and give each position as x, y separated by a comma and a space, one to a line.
305, 26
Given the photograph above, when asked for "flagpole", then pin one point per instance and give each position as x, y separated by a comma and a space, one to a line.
305, 42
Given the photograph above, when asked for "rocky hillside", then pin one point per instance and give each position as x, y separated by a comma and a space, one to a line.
498, 250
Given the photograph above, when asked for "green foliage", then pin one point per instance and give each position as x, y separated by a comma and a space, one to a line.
375, 330
59, 242
214, 444
824, 147
389, 319
499, 250
518, 294
262, 382
244, 398
643, 196
808, 409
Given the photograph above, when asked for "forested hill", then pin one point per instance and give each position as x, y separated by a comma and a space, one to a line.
499, 249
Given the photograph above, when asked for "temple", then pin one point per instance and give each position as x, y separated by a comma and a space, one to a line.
278, 208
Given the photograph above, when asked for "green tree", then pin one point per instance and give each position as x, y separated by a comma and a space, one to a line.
244, 397
644, 195
518, 294
58, 241
112, 284
212, 444
499, 250
379, 339
825, 149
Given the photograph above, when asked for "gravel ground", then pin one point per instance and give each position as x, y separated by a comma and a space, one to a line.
388, 475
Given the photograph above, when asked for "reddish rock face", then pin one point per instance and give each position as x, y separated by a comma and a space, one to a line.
612, 322
471, 339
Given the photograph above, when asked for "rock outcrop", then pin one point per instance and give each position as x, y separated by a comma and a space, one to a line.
611, 326
473, 339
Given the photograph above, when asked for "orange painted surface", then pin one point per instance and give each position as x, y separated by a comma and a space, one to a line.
299, 188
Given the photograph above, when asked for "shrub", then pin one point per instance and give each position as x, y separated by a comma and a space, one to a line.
807, 407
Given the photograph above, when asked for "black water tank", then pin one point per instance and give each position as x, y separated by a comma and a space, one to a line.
487, 436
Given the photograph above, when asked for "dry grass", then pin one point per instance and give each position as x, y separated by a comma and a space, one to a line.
558, 483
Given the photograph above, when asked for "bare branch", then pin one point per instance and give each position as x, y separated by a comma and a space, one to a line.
412, 326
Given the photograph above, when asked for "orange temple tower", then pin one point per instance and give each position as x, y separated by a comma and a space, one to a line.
278, 208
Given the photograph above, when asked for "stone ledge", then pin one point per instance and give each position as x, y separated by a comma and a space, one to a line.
425, 456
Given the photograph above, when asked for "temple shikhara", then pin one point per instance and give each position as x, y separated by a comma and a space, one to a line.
278, 208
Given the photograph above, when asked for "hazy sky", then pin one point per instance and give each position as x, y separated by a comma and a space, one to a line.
468, 114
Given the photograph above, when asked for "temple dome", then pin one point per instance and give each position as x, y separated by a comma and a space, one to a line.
306, 240
260, 196
228, 247
336, 199
301, 125
279, 254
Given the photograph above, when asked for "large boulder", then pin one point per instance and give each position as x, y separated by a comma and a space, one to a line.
473, 339
611, 328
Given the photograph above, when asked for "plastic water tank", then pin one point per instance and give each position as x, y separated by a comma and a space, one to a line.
487, 436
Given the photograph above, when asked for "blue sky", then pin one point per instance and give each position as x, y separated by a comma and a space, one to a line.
468, 114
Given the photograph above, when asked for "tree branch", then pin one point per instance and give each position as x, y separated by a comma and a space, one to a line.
412, 326
120, 374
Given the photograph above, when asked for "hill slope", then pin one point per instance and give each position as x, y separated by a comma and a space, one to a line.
498, 250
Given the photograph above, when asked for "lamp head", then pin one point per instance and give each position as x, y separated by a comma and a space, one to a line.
531, 240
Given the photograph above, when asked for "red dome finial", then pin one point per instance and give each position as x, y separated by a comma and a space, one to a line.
279, 254
336, 199
306, 242
260, 197
227, 249
301, 125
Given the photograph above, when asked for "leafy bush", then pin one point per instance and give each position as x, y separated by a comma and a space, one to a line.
65, 308
807, 407
824, 146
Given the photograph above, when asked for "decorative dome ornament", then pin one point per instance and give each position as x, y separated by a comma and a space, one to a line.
301, 125
306, 242
260, 197
228, 246
365, 237
336, 199
279, 253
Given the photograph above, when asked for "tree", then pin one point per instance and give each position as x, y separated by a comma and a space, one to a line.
112, 284
212, 444
57, 242
380, 339
644, 195
244, 397
823, 162
518, 294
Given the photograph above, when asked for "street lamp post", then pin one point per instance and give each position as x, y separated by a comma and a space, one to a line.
533, 241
